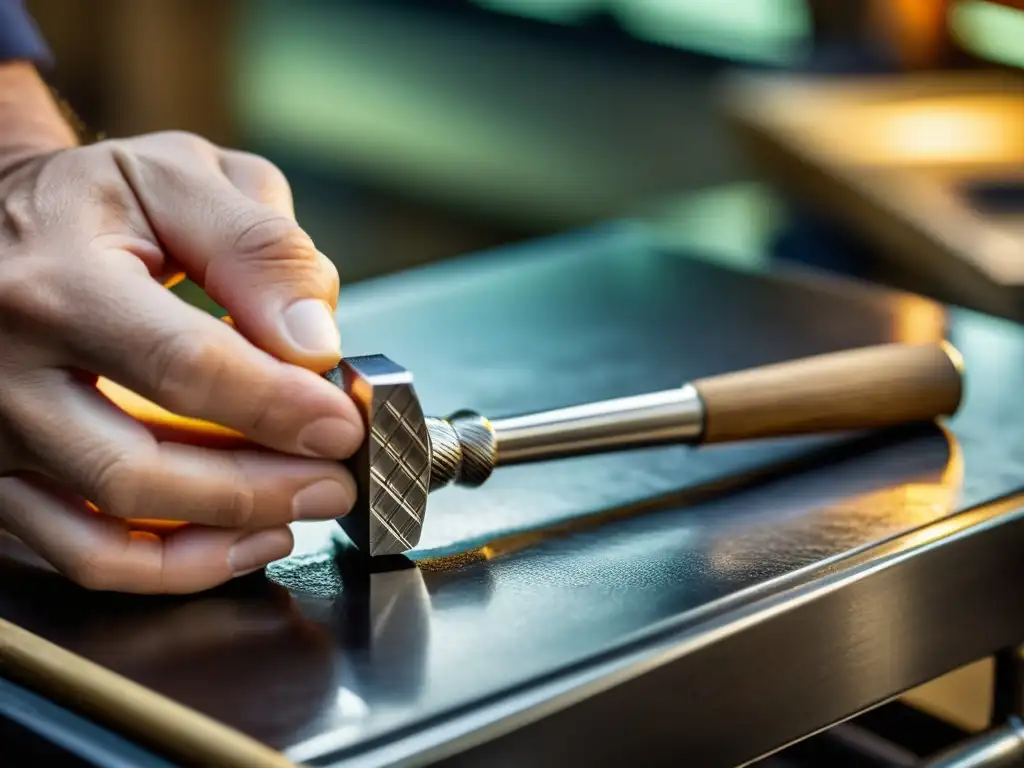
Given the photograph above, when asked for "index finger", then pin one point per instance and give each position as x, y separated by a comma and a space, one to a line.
193, 365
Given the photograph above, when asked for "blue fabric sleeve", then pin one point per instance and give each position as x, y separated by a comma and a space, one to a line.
19, 36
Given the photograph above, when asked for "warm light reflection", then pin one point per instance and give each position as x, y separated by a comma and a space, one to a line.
175, 279
166, 426
917, 501
161, 419
951, 131
154, 416
917, 320
965, 129
503, 546
917, 28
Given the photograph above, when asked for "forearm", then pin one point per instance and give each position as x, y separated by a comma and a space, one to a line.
31, 122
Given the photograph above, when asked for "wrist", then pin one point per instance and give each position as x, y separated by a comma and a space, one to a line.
31, 122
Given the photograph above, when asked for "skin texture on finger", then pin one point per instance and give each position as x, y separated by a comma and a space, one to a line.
171, 426
250, 256
105, 554
79, 439
191, 364
54, 202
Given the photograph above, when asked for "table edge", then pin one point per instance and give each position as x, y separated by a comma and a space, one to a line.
537, 712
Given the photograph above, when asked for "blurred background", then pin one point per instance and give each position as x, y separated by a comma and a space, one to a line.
414, 130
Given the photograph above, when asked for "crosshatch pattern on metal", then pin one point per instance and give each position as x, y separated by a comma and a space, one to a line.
399, 469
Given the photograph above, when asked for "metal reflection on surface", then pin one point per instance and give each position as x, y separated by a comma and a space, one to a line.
891, 491
207, 647
380, 621
918, 487
923, 500
910, 491
1001, 747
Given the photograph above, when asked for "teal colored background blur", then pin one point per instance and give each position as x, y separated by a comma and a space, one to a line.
415, 130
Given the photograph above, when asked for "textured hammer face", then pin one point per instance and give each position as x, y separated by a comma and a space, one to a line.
392, 468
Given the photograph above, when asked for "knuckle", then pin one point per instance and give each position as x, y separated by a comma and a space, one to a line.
186, 140
234, 503
266, 170
269, 236
164, 156
184, 371
119, 482
279, 252
263, 416
86, 160
237, 508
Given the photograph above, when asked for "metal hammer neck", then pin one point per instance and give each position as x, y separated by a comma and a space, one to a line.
465, 448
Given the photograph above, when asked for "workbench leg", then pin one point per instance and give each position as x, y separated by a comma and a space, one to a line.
1002, 745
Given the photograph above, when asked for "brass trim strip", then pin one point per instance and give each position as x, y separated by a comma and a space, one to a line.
132, 708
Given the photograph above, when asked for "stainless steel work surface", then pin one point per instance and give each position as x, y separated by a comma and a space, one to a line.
565, 584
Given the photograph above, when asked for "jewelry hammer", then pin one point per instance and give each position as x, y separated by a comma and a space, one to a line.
407, 455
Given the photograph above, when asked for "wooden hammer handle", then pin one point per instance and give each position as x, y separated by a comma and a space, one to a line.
858, 389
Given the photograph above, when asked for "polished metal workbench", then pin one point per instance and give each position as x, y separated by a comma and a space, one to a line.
699, 607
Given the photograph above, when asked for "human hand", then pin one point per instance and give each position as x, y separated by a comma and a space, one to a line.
88, 236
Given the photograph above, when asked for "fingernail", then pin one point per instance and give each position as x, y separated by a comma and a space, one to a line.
330, 438
311, 326
257, 550
323, 500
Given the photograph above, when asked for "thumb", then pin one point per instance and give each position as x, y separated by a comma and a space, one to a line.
240, 242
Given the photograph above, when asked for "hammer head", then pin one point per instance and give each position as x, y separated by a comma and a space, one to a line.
392, 468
